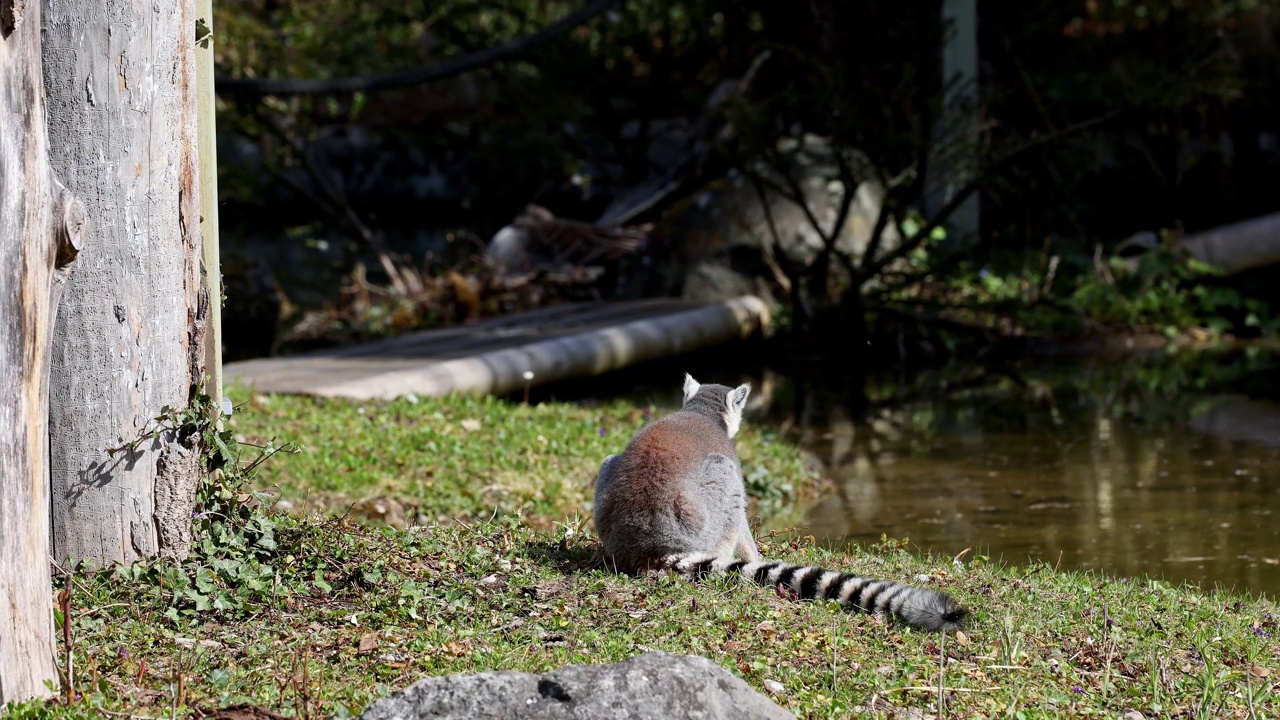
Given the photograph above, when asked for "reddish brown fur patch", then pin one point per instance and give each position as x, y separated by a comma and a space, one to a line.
668, 450
652, 470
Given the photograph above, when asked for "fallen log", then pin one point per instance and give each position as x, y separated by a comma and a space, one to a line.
1231, 248
557, 343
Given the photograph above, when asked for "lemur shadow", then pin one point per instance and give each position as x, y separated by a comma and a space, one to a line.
568, 558
581, 558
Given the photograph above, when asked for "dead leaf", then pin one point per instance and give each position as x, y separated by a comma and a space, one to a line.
368, 642
470, 425
961, 639
548, 590
465, 293
1259, 671
381, 509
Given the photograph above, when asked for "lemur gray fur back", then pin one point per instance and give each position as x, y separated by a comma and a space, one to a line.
674, 498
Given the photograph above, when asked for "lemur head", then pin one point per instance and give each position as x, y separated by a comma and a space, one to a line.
718, 400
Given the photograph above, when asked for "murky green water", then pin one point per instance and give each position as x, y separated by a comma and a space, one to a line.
1125, 467
1070, 485
1164, 467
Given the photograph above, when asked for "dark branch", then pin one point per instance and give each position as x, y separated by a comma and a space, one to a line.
414, 76
973, 186
798, 304
795, 193
822, 263
339, 208
888, 210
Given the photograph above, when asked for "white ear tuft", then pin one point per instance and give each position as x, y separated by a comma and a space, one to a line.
736, 401
690, 387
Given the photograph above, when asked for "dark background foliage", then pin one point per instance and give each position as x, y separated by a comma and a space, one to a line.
1118, 116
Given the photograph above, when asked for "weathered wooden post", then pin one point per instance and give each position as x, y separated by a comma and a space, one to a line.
120, 77
206, 128
41, 230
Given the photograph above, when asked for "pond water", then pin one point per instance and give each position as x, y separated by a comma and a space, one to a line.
1167, 466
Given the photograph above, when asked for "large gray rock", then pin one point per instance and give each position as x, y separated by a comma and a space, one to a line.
727, 229
652, 686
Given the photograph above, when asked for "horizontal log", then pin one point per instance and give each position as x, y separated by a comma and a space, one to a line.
1239, 246
1231, 248
678, 329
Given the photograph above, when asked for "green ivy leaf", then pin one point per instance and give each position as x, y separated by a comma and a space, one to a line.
320, 583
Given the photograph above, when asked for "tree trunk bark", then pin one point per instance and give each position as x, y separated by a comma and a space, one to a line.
41, 228
120, 78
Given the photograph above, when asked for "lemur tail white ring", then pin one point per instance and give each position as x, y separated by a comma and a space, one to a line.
922, 608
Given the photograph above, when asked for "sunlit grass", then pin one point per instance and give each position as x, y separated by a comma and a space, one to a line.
335, 613
357, 612
474, 457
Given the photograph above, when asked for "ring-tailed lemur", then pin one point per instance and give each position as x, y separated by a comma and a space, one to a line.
675, 499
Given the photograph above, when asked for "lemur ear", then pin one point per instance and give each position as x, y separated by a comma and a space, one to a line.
738, 397
690, 388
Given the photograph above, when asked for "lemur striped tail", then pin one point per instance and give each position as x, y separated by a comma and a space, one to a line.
921, 608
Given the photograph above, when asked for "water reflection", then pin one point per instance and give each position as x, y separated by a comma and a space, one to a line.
1077, 467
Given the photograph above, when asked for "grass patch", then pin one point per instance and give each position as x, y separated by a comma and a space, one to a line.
353, 612
474, 457
317, 616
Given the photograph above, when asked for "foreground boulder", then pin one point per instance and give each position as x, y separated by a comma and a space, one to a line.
656, 685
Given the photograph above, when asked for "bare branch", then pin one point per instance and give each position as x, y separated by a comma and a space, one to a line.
909, 183
339, 208
850, 185
795, 193
414, 76
873, 266
821, 267
703, 133
793, 285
